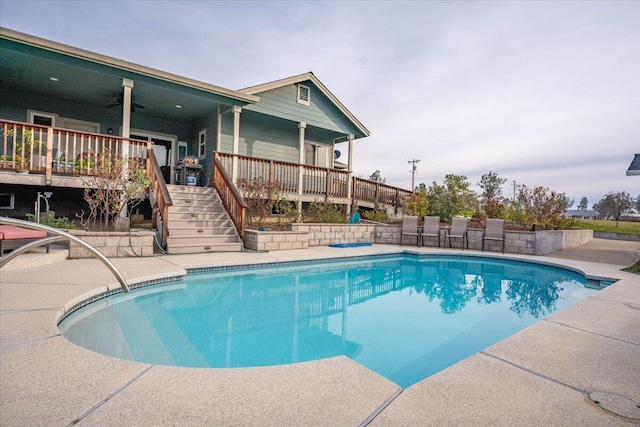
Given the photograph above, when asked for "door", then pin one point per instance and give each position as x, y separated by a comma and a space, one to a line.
163, 148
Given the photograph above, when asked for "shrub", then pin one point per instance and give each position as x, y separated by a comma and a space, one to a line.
261, 196
324, 212
121, 184
541, 207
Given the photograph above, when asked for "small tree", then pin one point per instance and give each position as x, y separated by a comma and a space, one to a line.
541, 207
491, 185
584, 203
376, 177
454, 197
615, 205
121, 184
260, 196
416, 203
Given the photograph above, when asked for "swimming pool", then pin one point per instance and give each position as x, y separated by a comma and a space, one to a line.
405, 317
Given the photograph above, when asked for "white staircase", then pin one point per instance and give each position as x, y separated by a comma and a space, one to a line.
199, 223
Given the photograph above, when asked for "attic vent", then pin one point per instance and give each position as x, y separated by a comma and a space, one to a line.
304, 95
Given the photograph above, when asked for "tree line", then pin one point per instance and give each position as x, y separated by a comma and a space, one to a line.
538, 206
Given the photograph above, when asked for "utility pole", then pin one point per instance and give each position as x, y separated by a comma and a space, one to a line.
413, 173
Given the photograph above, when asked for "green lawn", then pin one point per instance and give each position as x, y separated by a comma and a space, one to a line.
602, 225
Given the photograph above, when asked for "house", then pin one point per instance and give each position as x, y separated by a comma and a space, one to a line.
581, 214
72, 104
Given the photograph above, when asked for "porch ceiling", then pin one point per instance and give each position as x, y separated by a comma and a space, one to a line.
29, 68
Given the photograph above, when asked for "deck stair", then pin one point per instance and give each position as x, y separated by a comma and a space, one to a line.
199, 223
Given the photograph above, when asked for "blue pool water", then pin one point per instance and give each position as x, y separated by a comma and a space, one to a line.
405, 317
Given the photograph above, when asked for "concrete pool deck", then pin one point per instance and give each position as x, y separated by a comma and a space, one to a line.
543, 375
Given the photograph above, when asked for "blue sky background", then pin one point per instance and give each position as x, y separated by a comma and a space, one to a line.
542, 93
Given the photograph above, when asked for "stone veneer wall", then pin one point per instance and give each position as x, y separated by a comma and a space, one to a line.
275, 240
112, 244
302, 236
326, 234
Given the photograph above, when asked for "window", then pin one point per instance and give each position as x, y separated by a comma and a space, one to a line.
304, 95
41, 118
7, 200
202, 143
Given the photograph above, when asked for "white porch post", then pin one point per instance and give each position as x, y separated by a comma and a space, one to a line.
127, 86
236, 141
218, 130
350, 176
301, 130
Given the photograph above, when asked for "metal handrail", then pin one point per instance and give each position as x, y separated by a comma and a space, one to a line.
59, 236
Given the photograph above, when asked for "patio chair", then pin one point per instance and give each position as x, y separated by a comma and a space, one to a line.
410, 228
431, 228
458, 230
494, 231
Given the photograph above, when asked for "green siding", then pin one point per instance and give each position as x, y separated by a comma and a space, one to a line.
322, 113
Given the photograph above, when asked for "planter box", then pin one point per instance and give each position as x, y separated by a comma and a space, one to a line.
113, 244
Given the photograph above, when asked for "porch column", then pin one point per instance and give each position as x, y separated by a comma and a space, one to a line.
236, 141
350, 176
127, 85
218, 130
301, 130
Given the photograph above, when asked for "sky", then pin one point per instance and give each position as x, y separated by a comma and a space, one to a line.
542, 93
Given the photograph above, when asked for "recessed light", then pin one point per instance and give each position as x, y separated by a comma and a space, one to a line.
178, 106
53, 79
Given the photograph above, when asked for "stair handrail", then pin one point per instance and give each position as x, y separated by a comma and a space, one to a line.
58, 236
161, 199
231, 198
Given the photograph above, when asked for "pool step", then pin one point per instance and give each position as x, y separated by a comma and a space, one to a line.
198, 222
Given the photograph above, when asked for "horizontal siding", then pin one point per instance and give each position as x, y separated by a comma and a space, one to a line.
258, 138
322, 113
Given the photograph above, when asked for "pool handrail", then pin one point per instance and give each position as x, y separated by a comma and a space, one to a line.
59, 235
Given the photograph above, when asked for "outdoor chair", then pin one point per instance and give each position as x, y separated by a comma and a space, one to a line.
494, 231
410, 228
458, 230
431, 228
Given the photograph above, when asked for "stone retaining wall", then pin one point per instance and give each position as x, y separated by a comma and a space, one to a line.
275, 240
301, 236
113, 244
326, 234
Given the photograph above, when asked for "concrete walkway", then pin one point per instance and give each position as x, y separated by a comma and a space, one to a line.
578, 367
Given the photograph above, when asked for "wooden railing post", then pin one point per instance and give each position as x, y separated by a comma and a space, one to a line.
49, 161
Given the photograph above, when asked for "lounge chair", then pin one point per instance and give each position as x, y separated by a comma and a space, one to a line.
410, 228
431, 228
458, 230
12, 237
494, 231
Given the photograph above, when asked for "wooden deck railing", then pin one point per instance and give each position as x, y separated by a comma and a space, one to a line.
48, 150
316, 181
375, 192
158, 196
231, 199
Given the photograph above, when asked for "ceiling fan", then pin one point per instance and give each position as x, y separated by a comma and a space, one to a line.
119, 101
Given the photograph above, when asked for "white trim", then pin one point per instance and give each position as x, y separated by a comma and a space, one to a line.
303, 94
254, 90
202, 143
174, 145
31, 115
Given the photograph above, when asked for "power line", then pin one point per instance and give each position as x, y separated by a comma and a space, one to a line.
413, 172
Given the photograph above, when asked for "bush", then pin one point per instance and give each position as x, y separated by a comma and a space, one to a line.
324, 212
377, 215
541, 207
50, 219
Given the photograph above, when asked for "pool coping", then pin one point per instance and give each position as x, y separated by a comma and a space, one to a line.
334, 391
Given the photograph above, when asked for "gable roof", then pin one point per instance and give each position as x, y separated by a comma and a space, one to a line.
253, 90
634, 167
